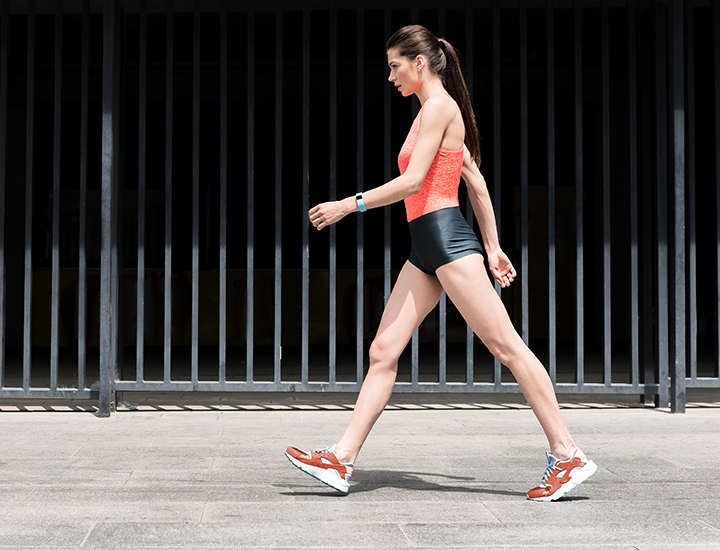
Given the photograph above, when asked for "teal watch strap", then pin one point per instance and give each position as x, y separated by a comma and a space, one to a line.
360, 202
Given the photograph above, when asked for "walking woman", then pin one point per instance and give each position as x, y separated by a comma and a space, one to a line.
442, 147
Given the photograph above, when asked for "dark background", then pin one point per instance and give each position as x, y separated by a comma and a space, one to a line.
352, 94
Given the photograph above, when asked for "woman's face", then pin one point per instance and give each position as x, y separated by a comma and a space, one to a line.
404, 72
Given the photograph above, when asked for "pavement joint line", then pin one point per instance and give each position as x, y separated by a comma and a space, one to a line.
493, 513
710, 525
92, 528
129, 407
410, 544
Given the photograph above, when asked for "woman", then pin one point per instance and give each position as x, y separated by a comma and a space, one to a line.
443, 145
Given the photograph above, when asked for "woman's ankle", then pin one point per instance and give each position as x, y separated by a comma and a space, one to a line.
562, 451
345, 456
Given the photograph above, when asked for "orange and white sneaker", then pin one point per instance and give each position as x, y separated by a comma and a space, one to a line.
562, 475
322, 464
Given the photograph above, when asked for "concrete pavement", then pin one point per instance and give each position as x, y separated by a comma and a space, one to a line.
437, 472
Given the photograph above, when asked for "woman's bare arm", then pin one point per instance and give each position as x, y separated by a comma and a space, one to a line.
500, 265
438, 112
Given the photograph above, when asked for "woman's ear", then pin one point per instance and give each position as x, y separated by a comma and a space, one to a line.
420, 62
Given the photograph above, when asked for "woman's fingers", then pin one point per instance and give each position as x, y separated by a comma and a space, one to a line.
318, 216
506, 278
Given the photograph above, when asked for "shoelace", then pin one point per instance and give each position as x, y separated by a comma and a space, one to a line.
548, 471
327, 449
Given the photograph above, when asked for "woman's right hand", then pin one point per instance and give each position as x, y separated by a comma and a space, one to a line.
501, 268
328, 213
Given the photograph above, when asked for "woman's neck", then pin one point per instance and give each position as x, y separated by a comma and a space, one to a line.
430, 89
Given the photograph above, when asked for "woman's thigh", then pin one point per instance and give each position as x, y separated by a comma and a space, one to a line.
468, 286
414, 295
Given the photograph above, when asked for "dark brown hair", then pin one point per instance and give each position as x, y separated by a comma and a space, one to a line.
442, 57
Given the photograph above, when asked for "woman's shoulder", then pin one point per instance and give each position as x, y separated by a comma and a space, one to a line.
440, 101
441, 106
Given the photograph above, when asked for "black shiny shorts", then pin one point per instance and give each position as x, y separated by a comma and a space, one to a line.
441, 237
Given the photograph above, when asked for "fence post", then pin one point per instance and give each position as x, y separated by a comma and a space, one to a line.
107, 360
677, 90
663, 235
4, 44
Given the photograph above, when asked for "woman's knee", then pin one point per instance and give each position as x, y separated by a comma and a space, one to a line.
507, 352
383, 355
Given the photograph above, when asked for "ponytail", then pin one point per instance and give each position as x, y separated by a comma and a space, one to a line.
415, 40
454, 81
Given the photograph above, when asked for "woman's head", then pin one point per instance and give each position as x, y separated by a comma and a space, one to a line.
415, 42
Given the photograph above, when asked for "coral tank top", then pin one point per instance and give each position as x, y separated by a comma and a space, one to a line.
440, 187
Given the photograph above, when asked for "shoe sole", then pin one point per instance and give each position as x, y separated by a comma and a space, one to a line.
570, 485
305, 468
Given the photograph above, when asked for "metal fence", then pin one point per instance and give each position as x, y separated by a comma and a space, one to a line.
165, 218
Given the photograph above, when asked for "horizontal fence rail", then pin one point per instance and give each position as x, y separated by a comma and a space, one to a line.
162, 192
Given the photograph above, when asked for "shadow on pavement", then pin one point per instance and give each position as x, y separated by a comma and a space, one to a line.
411, 481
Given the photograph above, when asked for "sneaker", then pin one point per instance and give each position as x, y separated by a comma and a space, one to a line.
562, 475
322, 464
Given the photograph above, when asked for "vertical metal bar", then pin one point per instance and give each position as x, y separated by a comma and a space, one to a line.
4, 26
497, 150
441, 17
29, 162
387, 111
222, 265
142, 137
579, 257
716, 49
524, 252
168, 190
678, 372
82, 256
661, 205
552, 272
632, 133
690, 174
57, 139
332, 275
250, 326
277, 329
305, 282
415, 340
469, 214
607, 288
415, 359
106, 359
360, 278
117, 198
442, 332
647, 227
196, 196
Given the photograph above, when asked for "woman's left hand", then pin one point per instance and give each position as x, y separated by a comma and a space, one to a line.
328, 213
501, 268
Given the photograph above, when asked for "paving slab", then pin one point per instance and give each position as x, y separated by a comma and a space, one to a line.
271, 533
429, 477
